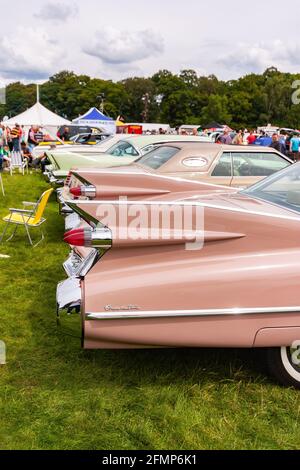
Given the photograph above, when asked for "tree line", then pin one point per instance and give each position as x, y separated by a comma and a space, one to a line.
184, 98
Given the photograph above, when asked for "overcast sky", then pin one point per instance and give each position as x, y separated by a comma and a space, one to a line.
117, 39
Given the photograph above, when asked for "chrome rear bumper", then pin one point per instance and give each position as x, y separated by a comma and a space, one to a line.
72, 221
55, 182
63, 208
68, 299
69, 294
77, 266
46, 175
73, 264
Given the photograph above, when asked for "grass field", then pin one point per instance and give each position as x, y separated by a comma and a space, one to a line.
53, 395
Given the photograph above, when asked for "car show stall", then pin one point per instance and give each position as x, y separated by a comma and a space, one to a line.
94, 118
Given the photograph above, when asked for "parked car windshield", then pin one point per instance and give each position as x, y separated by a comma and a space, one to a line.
110, 137
88, 138
158, 157
282, 188
123, 149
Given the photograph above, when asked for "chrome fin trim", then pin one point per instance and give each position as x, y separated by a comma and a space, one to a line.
80, 178
83, 214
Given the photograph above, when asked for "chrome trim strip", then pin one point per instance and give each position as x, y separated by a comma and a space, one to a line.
184, 203
190, 313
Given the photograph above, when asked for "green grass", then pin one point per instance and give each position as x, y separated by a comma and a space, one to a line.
53, 395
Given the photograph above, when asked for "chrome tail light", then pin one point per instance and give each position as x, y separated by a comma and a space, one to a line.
100, 237
96, 236
85, 191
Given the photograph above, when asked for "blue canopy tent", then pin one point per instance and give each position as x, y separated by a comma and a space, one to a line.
94, 118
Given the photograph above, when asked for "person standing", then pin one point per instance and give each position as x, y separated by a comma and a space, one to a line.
225, 138
23, 135
6, 136
251, 138
288, 143
26, 153
1, 137
31, 142
65, 137
38, 135
294, 147
277, 144
238, 139
15, 137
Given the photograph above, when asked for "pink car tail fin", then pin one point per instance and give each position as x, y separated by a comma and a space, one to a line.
114, 183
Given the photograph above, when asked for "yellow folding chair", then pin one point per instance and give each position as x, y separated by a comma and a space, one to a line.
28, 218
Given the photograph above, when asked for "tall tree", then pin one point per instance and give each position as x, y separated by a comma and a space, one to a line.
184, 98
216, 110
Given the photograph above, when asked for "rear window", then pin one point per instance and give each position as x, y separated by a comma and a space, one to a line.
158, 157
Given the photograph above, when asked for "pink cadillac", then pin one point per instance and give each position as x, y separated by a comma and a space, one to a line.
229, 279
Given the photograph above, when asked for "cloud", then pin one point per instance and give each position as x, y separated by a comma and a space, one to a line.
258, 57
28, 54
116, 47
119, 71
54, 11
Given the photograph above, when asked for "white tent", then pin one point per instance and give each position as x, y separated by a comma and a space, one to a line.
38, 115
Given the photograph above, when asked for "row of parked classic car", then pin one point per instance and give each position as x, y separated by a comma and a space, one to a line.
230, 280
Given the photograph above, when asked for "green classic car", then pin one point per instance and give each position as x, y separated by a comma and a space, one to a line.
122, 151
61, 166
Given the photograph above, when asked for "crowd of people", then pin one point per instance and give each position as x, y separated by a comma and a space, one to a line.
285, 143
16, 139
